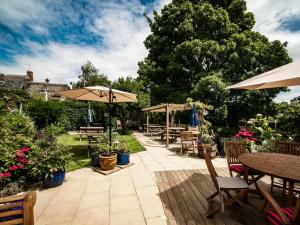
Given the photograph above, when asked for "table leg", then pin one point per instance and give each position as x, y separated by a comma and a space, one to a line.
291, 193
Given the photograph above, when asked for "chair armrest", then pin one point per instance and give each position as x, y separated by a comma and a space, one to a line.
275, 206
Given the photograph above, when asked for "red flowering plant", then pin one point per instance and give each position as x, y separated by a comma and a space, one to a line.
13, 164
16, 131
245, 136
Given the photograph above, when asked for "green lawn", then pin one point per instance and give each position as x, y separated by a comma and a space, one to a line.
79, 148
134, 145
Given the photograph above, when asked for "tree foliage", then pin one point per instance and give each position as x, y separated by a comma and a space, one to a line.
125, 110
197, 44
90, 77
289, 118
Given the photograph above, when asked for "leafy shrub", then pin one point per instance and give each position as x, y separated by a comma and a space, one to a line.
289, 119
44, 113
10, 100
48, 158
16, 132
54, 130
266, 146
261, 129
11, 188
65, 122
14, 124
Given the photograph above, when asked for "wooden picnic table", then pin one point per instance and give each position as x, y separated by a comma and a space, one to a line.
91, 131
174, 132
282, 166
155, 128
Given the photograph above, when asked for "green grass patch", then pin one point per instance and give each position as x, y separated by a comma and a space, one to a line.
134, 145
79, 149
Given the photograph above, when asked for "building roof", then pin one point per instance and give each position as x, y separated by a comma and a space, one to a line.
49, 84
16, 77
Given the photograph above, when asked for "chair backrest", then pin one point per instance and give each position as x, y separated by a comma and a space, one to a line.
233, 150
17, 209
212, 172
287, 147
186, 136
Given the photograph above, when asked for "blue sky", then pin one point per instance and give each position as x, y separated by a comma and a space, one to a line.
55, 39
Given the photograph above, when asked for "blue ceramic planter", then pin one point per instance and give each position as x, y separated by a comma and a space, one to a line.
123, 158
54, 181
95, 160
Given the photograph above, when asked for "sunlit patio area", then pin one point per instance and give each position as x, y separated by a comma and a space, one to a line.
149, 112
160, 188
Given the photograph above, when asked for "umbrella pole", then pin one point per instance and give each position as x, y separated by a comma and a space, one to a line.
110, 122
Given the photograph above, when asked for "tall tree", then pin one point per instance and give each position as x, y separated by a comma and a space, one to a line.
90, 77
193, 39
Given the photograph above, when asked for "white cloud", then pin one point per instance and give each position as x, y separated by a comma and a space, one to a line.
18, 13
269, 15
123, 29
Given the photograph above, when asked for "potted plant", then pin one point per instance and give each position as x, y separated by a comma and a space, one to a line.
95, 151
107, 157
201, 147
48, 162
206, 145
123, 154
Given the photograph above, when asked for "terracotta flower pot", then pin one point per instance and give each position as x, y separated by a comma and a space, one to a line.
108, 162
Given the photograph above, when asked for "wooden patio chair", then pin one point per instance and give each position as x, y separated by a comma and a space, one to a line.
284, 147
223, 185
233, 150
187, 140
277, 215
17, 209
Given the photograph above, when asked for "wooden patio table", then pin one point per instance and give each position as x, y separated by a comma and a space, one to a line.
282, 166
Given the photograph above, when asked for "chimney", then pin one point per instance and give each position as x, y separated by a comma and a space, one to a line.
30, 75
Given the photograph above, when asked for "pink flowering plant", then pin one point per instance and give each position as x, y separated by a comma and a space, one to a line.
16, 132
13, 164
245, 134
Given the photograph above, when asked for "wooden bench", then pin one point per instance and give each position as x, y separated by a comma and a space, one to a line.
17, 209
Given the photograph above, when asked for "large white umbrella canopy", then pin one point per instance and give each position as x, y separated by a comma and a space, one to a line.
283, 76
99, 94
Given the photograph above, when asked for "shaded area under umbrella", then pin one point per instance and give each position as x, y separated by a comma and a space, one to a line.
100, 94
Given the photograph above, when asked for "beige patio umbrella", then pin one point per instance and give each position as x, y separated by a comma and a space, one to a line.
283, 76
100, 94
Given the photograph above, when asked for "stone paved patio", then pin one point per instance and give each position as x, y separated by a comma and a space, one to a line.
129, 196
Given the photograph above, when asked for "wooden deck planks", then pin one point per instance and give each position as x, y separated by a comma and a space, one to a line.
165, 200
184, 193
